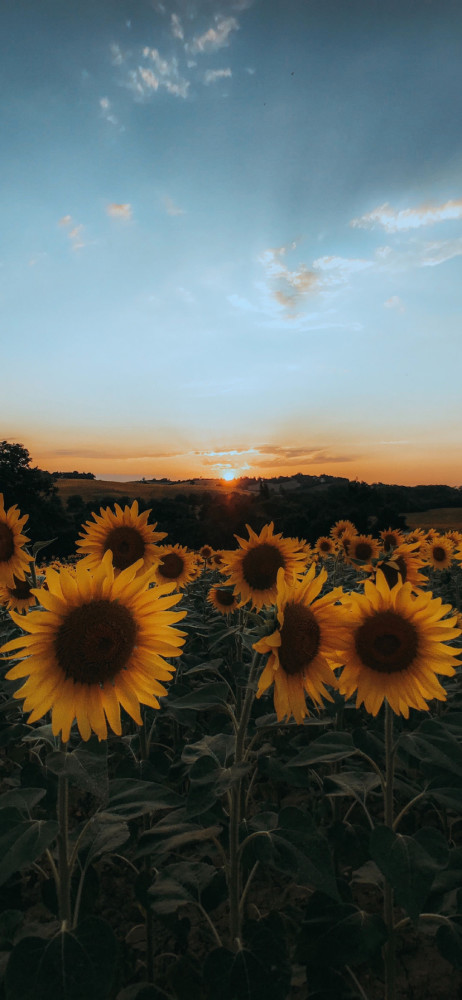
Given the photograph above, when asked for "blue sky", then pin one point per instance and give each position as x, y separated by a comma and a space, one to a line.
231, 237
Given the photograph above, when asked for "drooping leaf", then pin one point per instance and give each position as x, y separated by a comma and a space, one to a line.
23, 799
86, 767
71, 966
296, 847
208, 696
449, 941
129, 798
23, 844
330, 746
180, 883
407, 865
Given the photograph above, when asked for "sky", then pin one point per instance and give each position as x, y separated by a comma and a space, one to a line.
231, 237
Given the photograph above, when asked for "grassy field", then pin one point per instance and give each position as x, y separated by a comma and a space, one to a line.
441, 518
94, 489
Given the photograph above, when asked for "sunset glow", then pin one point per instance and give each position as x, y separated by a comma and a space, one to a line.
222, 256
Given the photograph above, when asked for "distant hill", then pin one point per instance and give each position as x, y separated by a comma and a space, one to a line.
96, 489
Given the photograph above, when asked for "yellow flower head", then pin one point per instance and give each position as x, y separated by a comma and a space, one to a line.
325, 546
439, 552
303, 650
223, 600
253, 568
341, 528
391, 537
361, 548
126, 533
395, 647
100, 643
18, 598
14, 561
177, 566
404, 562
206, 553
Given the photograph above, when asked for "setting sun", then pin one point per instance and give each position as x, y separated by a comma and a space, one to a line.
229, 474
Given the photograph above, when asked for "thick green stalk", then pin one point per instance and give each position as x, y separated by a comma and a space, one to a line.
389, 950
235, 874
64, 870
149, 917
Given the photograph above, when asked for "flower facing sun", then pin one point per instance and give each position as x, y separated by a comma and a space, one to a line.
253, 568
439, 553
99, 644
176, 566
14, 561
362, 548
223, 600
126, 533
303, 650
391, 537
19, 597
395, 647
325, 546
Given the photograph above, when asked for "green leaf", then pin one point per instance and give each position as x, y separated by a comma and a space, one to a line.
23, 844
407, 865
23, 799
167, 837
10, 922
143, 991
208, 696
240, 976
103, 835
434, 745
180, 883
355, 783
330, 746
38, 546
69, 967
129, 798
296, 847
220, 747
86, 767
449, 941
338, 934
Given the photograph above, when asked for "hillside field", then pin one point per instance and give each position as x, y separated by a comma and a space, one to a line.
441, 518
95, 489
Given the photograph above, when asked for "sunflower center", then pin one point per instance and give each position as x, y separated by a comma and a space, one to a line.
389, 541
387, 643
21, 589
325, 546
300, 636
363, 551
260, 566
225, 597
95, 641
171, 565
6, 542
126, 544
439, 554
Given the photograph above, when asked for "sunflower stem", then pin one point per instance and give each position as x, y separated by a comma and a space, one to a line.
64, 871
148, 917
235, 873
389, 948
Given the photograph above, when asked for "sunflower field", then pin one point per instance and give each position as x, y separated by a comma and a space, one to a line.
230, 775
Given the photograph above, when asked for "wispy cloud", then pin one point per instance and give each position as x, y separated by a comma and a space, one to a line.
106, 111
215, 37
158, 73
212, 75
171, 207
176, 27
117, 211
396, 220
394, 302
74, 232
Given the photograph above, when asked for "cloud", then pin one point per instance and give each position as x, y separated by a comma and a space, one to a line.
287, 288
281, 455
393, 220
158, 74
176, 27
171, 207
337, 270
106, 112
119, 211
212, 75
74, 232
215, 38
395, 303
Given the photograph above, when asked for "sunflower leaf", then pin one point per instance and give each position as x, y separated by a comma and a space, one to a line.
129, 798
330, 746
408, 865
23, 843
449, 941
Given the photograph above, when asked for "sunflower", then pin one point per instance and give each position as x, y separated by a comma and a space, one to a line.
395, 647
325, 546
391, 537
177, 566
405, 562
252, 569
454, 536
126, 533
99, 643
18, 598
223, 600
361, 548
303, 649
206, 553
439, 553
217, 560
14, 561
415, 536
342, 527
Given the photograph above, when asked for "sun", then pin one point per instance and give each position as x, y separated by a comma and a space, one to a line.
229, 474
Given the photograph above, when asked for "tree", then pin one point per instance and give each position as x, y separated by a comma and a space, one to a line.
33, 490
